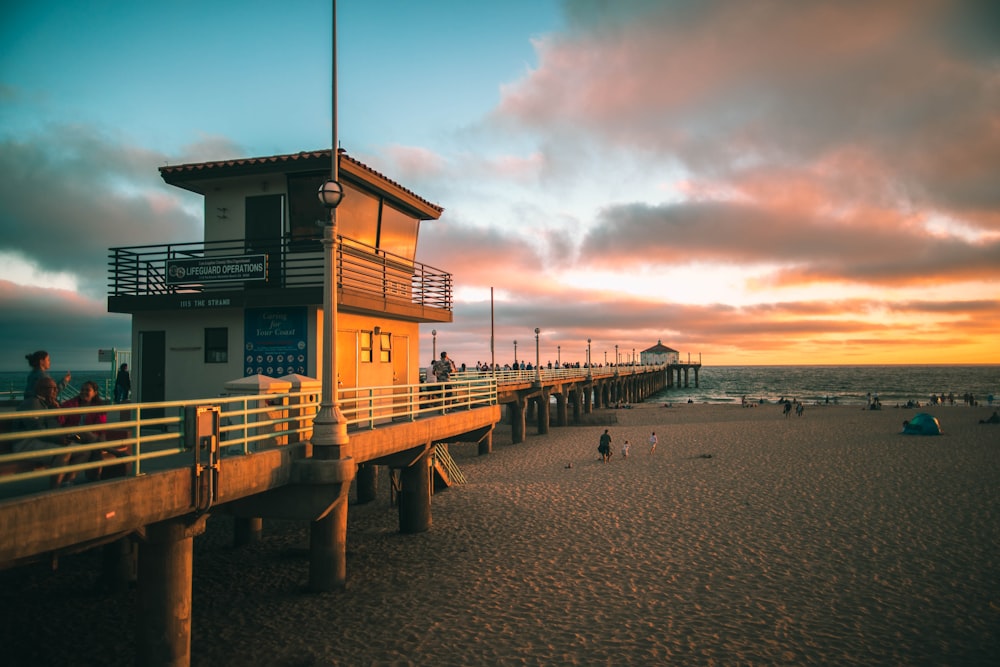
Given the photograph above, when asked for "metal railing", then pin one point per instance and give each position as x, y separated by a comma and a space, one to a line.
142, 270
509, 376
150, 433
14, 390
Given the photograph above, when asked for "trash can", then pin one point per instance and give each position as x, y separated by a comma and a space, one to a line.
257, 385
297, 405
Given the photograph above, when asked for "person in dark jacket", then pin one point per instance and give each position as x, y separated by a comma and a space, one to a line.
123, 384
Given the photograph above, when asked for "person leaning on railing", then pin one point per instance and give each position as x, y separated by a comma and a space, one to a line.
88, 396
44, 398
443, 368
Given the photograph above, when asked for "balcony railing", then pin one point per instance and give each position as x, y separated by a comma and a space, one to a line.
145, 433
143, 270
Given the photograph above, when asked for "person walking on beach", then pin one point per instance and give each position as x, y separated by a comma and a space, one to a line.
625, 447
652, 442
605, 447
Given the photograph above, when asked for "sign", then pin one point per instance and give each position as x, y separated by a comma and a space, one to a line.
275, 341
216, 269
217, 302
106, 356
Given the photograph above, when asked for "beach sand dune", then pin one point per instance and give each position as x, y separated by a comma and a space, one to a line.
746, 538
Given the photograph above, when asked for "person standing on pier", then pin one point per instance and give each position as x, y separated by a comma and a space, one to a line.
123, 384
443, 368
40, 363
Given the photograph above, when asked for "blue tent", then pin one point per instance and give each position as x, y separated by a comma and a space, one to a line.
922, 424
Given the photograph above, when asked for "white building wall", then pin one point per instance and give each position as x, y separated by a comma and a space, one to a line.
188, 376
230, 195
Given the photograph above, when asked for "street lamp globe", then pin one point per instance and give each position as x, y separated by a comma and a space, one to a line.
331, 193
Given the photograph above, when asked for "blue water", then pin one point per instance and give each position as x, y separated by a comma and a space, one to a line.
845, 385
12, 382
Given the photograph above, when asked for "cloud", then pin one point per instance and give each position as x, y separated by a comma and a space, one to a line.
767, 181
73, 192
873, 247
70, 326
719, 86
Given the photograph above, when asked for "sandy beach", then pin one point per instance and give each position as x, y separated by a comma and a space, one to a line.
747, 538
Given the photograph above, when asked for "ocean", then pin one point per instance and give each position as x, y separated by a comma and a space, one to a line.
12, 382
845, 385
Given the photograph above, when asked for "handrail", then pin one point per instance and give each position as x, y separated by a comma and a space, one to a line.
510, 376
141, 270
248, 423
251, 423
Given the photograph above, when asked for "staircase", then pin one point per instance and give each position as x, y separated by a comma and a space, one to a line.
445, 467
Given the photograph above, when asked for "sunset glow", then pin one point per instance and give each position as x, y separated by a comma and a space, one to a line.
756, 183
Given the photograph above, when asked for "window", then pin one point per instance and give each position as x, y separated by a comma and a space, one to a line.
366, 347
357, 215
398, 232
306, 215
217, 345
385, 347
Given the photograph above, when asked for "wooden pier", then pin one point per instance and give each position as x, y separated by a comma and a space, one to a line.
679, 374
163, 510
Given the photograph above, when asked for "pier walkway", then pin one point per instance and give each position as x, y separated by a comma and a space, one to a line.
251, 457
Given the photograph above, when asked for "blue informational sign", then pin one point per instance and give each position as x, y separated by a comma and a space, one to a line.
276, 341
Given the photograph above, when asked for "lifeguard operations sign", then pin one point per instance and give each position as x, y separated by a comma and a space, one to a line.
216, 269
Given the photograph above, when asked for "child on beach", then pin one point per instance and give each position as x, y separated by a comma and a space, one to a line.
652, 442
625, 447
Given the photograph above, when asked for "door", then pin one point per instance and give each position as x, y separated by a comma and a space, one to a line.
401, 372
347, 376
264, 227
152, 369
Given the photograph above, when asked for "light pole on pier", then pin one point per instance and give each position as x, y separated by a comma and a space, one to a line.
618, 359
329, 426
434, 345
330, 460
558, 356
538, 366
590, 373
515, 356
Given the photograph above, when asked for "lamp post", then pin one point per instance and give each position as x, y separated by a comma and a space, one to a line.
605, 357
618, 360
515, 356
633, 356
330, 460
590, 373
434, 345
329, 426
538, 366
558, 356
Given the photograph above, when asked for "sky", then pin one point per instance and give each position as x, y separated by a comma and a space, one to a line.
762, 182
